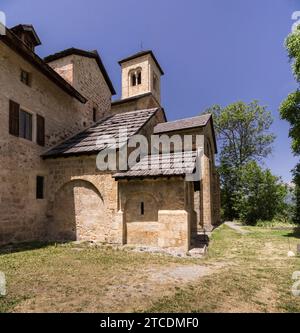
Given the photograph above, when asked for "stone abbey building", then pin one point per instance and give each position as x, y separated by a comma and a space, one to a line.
53, 112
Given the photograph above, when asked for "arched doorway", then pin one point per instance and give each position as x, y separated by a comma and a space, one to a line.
78, 213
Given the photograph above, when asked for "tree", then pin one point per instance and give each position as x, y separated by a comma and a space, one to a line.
290, 111
261, 195
296, 174
242, 131
243, 136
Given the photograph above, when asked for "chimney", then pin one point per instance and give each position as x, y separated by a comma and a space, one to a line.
27, 34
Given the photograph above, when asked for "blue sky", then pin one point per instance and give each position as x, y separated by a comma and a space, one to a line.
212, 51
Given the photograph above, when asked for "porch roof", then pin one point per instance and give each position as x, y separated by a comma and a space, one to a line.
160, 165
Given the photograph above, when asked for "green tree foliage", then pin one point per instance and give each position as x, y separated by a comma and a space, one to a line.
242, 131
290, 111
260, 195
243, 135
296, 174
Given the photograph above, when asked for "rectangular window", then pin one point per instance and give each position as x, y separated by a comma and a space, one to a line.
142, 209
94, 115
197, 186
25, 125
25, 77
40, 187
14, 109
40, 130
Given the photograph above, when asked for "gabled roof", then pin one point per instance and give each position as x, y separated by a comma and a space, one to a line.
89, 54
15, 43
95, 138
162, 165
187, 123
140, 54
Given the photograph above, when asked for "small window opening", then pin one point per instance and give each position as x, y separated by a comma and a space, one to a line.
40, 187
139, 78
197, 186
133, 80
142, 209
136, 78
25, 77
94, 115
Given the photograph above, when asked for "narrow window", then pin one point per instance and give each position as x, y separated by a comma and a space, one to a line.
94, 115
25, 125
40, 130
142, 209
139, 78
25, 77
14, 109
133, 79
197, 186
154, 82
40, 187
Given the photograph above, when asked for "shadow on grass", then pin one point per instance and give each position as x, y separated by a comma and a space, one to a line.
295, 233
23, 247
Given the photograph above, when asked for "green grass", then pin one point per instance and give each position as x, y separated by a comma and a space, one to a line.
255, 276
258, 278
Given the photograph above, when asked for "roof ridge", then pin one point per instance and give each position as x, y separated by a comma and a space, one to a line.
94, 54
188, 118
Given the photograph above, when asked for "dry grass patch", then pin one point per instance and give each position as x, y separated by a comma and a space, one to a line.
242, 273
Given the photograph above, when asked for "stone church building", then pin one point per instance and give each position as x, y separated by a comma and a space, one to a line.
53, 112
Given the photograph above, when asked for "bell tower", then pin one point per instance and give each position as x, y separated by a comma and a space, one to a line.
141, 74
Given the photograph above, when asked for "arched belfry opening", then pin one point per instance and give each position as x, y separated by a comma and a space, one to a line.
141, 74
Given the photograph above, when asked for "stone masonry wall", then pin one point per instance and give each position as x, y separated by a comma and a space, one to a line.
22, 216
82, 201
147, 67
165, 223
85, 76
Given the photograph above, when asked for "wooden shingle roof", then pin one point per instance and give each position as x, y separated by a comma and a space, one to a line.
98, 136
160, 165
181, 124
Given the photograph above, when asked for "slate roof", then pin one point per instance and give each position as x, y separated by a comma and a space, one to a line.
186, 123
94, 139
159, 165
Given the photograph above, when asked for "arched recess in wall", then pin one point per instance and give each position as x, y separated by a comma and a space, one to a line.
141, 207
135, 77
78, 212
